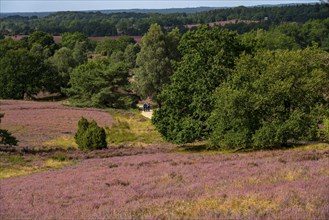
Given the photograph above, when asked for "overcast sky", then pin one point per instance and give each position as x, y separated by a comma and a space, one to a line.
77, 5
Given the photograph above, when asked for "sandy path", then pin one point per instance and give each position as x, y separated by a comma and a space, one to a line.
147, 114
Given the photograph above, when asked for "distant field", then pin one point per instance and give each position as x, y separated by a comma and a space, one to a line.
41, 124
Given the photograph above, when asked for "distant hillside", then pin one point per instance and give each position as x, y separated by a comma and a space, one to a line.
160, 11
136, 22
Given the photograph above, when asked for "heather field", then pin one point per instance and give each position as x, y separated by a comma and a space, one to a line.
46, 124
283, 184
145, 178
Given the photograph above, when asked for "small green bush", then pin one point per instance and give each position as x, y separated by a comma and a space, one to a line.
6, 138
90, 136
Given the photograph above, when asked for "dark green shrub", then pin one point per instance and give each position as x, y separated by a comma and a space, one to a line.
6, 138
90, 136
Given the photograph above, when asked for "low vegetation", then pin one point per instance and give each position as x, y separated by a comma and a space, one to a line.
13, 164
268, 184
90, 136
6, 138
130, 128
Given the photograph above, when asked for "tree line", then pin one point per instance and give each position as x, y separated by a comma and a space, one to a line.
129, 23
260, 89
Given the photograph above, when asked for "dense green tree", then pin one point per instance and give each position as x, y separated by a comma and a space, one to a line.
271, 40
107, 47
101, 84
63, 62
9, 44
186, 104
90, 136
154, 63
6, 138
80, 52
45, 40
23, 74
270, 99
130, 54
69, 40
42, 38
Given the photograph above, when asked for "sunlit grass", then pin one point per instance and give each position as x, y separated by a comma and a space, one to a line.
212, 207
18, 165
318, 146
63, 142
131, 129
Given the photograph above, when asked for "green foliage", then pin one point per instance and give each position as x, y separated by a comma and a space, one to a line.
9, 44
107, 47
69, 40
6, 138
23, 74
80, 52
133, 24
63, 62
100, 84
271, 40
90, 136
324, 131
185, 104
130, 55
43, 39
270, 99
154, 61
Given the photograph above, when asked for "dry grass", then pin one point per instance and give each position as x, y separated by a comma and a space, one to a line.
130, 128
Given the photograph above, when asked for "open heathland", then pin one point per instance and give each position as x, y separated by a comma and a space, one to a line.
43, 124
154, 180
281, 184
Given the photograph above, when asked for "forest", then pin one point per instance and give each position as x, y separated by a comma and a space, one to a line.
131, 23
258, 89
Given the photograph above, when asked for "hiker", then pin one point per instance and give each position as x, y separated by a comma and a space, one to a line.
145, 107
148, 107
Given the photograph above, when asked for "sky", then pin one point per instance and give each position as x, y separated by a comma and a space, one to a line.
79, 5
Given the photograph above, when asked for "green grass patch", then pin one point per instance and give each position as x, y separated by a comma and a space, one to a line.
131, 129
12, 165
12, 159
63, 142
317, 146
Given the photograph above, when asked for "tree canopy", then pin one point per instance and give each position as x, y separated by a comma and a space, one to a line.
101, 84
186, 103
271, 98
23, 74
154, 61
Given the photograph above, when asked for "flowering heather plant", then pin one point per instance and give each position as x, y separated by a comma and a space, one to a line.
280, 184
